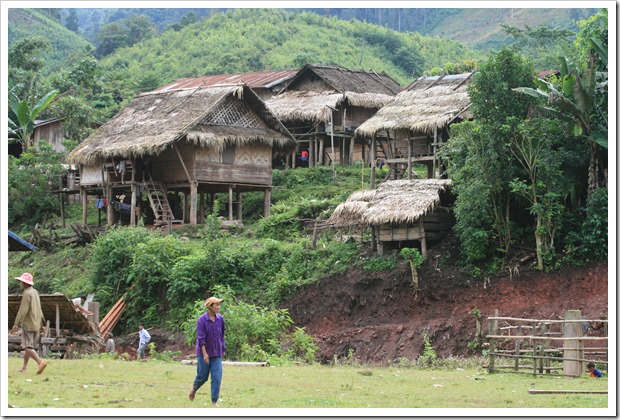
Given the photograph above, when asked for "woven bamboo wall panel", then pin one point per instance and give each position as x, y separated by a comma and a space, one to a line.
234, 112
253, 154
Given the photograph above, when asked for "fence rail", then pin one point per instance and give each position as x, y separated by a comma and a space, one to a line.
534, 346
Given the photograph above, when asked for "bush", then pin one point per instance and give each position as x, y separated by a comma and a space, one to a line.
590, 243
253, 333
31, 179
112, 259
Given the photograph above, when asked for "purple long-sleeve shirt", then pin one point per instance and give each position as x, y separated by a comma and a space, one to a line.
211, 335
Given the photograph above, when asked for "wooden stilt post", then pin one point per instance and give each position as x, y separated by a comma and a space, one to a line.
84, 205
193, 202
239, 206
373, 161
230, 203
267, 202
201, 217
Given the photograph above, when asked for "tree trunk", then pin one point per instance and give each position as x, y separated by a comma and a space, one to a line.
539, 243
414, 277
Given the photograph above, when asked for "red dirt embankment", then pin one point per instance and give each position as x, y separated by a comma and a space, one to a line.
376, 316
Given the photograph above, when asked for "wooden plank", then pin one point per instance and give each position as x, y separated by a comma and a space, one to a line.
561, 391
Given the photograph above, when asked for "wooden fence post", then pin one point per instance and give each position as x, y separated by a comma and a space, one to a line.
492, 331
573, 367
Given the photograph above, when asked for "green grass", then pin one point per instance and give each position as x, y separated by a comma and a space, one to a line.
106, 383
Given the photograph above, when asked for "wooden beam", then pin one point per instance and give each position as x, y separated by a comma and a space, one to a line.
193, 201
189, 178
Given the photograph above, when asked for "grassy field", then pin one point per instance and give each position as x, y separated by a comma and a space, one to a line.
112, 384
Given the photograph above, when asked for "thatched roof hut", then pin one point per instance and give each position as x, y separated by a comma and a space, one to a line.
152, 122
393, 202
399, 211
199, 141
426, 104
302, 100
324, 104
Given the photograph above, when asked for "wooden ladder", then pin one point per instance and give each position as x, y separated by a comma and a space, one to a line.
159, 203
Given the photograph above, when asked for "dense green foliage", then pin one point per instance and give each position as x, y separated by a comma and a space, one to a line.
31, 177
480, 157
530, 153
254, 333
28, 23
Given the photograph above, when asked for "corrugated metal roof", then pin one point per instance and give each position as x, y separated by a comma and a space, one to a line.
265, 79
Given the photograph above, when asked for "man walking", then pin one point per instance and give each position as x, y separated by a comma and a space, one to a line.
210, 347
145, 337
30, 319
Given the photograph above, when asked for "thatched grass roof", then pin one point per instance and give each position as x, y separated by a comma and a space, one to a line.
425, 104
350, 212
361, 88
395, 202
152, 122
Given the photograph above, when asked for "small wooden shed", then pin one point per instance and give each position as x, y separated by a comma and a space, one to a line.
66, 328
412, 128
400, 211
194, 142
323, 105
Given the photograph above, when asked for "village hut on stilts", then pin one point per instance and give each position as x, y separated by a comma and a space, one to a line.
176, 148
412, 128
323, 105
400, 213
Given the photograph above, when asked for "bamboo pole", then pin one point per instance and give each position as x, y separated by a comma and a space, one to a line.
560, 391
556, 321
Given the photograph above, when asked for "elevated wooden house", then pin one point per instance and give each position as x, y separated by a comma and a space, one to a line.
323, 105
411, 129
193, 142
400, 212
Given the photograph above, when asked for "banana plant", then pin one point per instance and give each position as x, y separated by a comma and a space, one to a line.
572, 98
23, 113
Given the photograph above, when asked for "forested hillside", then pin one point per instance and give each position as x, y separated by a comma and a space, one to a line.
28, 23
478, 27
256, 40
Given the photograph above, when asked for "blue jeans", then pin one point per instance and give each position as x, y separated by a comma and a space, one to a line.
214, 367
141, 350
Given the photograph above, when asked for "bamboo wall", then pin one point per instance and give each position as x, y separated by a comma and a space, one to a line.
434, 226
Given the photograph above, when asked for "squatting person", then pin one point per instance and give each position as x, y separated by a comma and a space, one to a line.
210, 348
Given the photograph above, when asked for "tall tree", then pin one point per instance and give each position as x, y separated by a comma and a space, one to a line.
480, 160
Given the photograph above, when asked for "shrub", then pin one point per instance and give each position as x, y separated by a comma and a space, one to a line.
253, 333
303, 346
590, 242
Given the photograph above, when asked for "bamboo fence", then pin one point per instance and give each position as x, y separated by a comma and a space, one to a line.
546, 346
